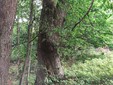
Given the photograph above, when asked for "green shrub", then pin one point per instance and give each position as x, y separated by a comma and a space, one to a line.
97, 71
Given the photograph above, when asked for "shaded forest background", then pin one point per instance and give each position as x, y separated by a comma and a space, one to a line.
75, 37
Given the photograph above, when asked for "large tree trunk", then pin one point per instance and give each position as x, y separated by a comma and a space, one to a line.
7, 16
52, 17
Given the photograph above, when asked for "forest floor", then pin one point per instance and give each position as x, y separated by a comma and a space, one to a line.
92, 71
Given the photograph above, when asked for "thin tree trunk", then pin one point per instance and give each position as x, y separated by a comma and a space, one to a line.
49, 64
18, 32
29, 67
24, 79
7, 16
18, 47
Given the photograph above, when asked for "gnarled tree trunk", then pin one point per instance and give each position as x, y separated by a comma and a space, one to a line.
52, 17
7, 16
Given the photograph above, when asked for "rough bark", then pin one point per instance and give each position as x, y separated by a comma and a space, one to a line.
49, 64
7, 16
